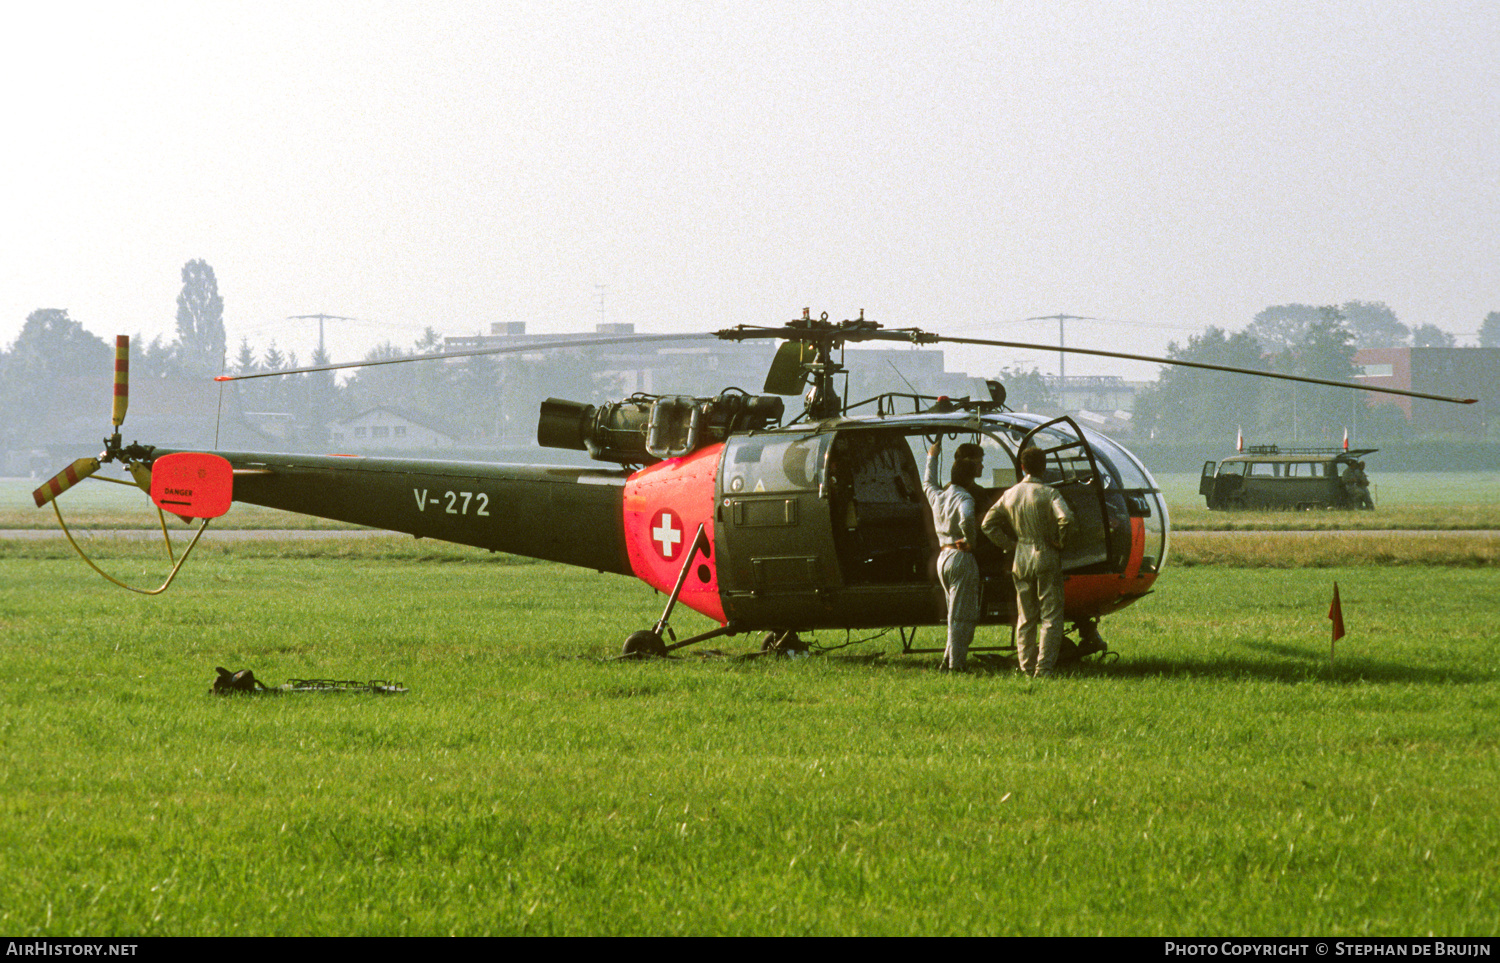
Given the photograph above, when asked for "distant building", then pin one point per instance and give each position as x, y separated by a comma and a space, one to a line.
388, 428
1457, 372
876, 371
1093, 393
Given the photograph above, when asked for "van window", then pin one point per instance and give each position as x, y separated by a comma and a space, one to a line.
1262, 469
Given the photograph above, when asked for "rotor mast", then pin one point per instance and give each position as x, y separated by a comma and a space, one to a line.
807, 356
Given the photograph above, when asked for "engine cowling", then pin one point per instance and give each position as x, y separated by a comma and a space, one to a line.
646, 429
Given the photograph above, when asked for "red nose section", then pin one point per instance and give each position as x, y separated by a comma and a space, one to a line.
192, 484
664, 505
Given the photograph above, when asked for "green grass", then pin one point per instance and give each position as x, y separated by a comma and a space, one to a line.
1220, 777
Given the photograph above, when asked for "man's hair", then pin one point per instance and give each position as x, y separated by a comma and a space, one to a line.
963, 472
1033, 461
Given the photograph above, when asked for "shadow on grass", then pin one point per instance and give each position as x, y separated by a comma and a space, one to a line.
1282, 663
1342, 672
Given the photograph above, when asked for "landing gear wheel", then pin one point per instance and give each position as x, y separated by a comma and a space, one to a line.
644, 645
782, 643
1089, 639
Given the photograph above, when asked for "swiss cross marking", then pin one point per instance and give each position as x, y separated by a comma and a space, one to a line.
666, 534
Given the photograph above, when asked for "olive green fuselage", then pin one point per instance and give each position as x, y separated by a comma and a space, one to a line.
569, 515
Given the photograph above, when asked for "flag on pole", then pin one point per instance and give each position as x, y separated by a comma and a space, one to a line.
1239, 439
1346, 438
1336, 614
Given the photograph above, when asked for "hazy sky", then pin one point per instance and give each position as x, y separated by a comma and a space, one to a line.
956, 166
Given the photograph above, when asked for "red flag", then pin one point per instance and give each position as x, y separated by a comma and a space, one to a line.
1346, 439
1336, 614
1239, 439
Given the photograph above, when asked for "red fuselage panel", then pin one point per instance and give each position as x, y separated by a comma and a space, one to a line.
664, 505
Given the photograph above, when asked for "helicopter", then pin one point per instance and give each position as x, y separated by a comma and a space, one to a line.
763, 524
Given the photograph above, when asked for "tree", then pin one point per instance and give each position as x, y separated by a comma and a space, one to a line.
1280, 327
1027, 390
152, 359
1374, 325
245, 362
1489, 331
1300, 412
200, 321
1430, 336
55, 373
1191, 404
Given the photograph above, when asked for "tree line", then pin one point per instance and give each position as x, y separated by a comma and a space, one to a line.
54, 378
1296, 339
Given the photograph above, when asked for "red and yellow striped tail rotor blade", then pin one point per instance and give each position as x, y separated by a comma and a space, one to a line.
122, 379
65, 479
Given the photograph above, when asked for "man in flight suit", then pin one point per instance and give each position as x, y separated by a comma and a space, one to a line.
1357, 485
1034, 515
953, 514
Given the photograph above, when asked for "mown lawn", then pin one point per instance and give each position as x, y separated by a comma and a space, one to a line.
1220, 777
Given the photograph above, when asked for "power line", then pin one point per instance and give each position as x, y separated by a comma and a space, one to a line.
1062, 371
321, 318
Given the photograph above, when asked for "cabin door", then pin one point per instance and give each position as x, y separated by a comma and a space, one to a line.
1074, 471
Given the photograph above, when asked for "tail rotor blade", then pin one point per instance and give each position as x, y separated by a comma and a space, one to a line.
65, 479
122, 379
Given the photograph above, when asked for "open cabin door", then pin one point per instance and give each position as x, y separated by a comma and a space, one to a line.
1074, 471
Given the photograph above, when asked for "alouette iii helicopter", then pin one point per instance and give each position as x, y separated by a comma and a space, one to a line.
761, 524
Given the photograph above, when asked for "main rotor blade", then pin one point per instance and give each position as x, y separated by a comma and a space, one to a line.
507, 349
1207, 367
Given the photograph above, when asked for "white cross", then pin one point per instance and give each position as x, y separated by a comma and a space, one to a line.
667, 536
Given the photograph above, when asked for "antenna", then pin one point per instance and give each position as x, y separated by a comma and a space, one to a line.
900, 375
321, 318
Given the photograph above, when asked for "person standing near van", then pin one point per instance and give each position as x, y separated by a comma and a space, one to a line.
1357, 485
1034, 515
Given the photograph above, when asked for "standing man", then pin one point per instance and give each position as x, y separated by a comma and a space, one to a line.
1357, 485
1034, 515
953, 514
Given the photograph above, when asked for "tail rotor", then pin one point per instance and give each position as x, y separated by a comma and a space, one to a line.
189, 484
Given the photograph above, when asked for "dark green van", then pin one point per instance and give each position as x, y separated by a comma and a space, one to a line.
1270, 477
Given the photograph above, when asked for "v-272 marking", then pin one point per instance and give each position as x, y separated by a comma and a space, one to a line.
455, 503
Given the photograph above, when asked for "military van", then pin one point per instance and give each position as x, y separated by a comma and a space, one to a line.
1270, 477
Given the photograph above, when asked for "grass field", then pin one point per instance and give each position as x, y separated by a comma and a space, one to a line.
1221, 777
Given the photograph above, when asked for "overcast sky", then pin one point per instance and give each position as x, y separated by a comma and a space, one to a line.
956, 166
